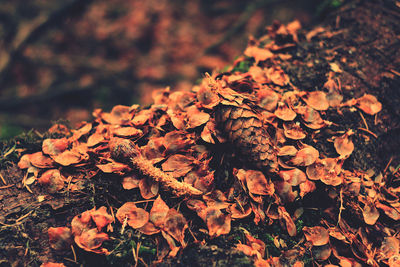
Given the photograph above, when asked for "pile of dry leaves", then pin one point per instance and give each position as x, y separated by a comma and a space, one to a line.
272, 125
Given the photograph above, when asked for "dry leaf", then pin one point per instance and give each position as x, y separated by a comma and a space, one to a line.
60, 238
317, 235
285, 113
317, 100
343, 145
136, 217
369, 104
293, 131
92, 240
52, 180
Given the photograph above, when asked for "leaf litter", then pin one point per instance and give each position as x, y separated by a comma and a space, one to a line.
168, 153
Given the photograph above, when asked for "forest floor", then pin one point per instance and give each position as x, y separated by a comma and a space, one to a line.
320, 186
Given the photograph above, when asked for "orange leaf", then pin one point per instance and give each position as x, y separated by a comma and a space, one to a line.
369, 104
85, 129
91, 241
284, 112
327, 170
293, 131
60, 238
130, 182
370, 213
148, 188
218, 223
307, 187
119, 115
258, 184
268, 99
207, 98
239, 212
101, 218
286, 220
81, 223
113, 167
95, 139
53, 147
317, 100
259, 54
196, 117
179, 165
52, 264
287, 151
294, 176
52, 180
158, 212
277, 76
149, 229
317, 235
175, 225
127, 132
306, 156
343, 145
137, 217
142, 117
68, 157
40, 160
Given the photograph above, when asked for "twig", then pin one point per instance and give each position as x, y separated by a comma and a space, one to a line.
168, 181
368, 131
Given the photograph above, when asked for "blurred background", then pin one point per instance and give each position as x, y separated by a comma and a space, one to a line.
60, 59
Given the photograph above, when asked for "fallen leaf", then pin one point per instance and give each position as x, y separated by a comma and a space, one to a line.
127, 132
207, 98
148, 188
369, 104
327, 170
196, 117
285, 113
52, 180
175, 225
136, 217
293, 131
218, 223
119, 115
305, 156
68, 158
370, 213
40, 160
294, 176
60, 238
317, 235
95, 139
52, 264
259, 54
258, 184
178, 165
81, 223
158, 212
130, 182
92, 240
268, 99
113, 167
53, 147
101, 218
343, 145
317, 100
286, 221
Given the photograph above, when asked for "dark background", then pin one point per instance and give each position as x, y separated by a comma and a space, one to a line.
61, 59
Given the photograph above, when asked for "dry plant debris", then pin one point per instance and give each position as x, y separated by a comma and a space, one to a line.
171, 148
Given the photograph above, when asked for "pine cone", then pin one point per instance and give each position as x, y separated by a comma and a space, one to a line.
244, 128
